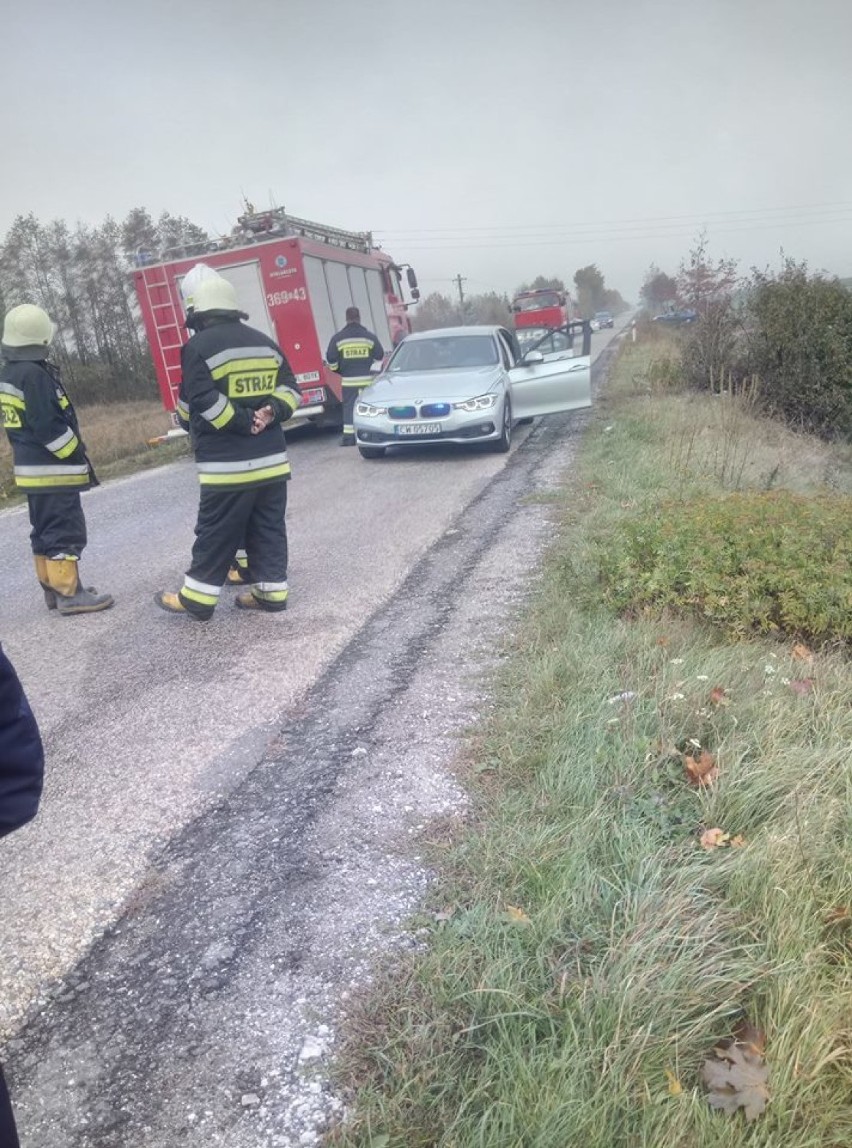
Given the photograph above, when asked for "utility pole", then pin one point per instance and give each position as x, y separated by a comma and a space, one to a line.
458, 282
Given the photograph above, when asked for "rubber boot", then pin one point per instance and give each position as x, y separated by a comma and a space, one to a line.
254, 601
71, 597
41, 573
172, 603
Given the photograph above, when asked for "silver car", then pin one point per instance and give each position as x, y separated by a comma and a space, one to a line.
464, 384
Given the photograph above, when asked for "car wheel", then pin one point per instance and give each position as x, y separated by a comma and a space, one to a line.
371, 451
504, 442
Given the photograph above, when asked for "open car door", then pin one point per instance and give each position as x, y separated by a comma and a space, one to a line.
545, 385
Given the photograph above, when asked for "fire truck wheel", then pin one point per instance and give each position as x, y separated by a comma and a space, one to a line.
371, 451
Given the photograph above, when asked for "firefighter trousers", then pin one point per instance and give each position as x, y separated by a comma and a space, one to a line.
8, 1135
227, 521
58, 524
351, 391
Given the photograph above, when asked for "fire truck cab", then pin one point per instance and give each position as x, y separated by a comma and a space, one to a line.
295, 279
543, 308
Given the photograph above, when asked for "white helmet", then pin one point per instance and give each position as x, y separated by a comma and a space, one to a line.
214, 294
190, 281
28, 326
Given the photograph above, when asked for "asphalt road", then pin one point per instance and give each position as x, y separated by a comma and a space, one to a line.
202, 784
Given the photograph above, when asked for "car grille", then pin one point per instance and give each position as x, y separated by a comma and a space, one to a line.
427, 411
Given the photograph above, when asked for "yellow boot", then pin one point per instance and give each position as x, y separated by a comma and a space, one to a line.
71, 597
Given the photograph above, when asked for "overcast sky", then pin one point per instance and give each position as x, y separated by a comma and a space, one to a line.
499, 139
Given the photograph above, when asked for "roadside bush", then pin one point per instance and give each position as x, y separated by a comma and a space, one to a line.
800, 344
747, 562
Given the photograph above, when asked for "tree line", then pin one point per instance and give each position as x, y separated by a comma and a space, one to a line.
82, 278
590, 294
786, 332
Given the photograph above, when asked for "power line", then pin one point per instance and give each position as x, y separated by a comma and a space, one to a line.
672, 220
446, 243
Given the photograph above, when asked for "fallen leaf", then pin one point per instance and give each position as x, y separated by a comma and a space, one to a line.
675, 1086
713, 838
738, 841
737, 1078
719, 696
516, 916
802, 686
663, 641
701, 768
802, 654
750, 1036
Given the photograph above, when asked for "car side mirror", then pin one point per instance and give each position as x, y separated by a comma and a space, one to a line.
533, 357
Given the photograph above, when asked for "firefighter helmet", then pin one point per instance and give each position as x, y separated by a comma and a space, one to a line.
28, 326
189, 284
214, 293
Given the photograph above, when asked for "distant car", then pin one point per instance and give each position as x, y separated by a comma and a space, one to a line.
676, 318
603, 319
462, 385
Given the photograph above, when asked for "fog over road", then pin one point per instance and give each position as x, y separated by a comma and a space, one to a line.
201, 781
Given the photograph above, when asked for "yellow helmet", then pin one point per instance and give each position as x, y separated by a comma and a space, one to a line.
189, 283
214, 293
28, 326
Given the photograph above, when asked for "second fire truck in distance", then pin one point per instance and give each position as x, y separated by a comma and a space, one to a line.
543, 308
295, 279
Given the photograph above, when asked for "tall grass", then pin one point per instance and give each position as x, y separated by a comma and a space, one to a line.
589, 952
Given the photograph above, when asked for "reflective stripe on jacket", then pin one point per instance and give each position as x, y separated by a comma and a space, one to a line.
229, 371
41, 425
351, 352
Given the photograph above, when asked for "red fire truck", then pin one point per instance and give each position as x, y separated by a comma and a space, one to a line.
295, 279
543, 308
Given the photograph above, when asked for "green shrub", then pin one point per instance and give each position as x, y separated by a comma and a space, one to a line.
747, 562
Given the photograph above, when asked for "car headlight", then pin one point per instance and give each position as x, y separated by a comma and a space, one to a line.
480, 403
368, 411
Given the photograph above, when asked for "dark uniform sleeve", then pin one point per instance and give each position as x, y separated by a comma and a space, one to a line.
286, 397
378, 349
203, 397
46, 419
332, 355
182, 409
21, 753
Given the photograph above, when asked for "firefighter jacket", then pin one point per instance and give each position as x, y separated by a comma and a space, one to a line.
351, 353
48, 453
229, 371
21, 754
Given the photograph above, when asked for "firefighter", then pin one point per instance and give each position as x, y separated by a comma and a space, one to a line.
236, 390
351, 353
50, 461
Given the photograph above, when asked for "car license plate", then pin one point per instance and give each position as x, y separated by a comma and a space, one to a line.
419, 429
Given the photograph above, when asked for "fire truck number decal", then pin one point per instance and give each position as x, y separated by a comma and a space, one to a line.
9, 417
243, 384
277, 298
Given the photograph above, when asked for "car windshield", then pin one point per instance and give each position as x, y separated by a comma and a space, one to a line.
536, 302
602, 314
445, 353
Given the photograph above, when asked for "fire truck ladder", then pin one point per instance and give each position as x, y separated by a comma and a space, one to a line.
335, 236
167, 324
